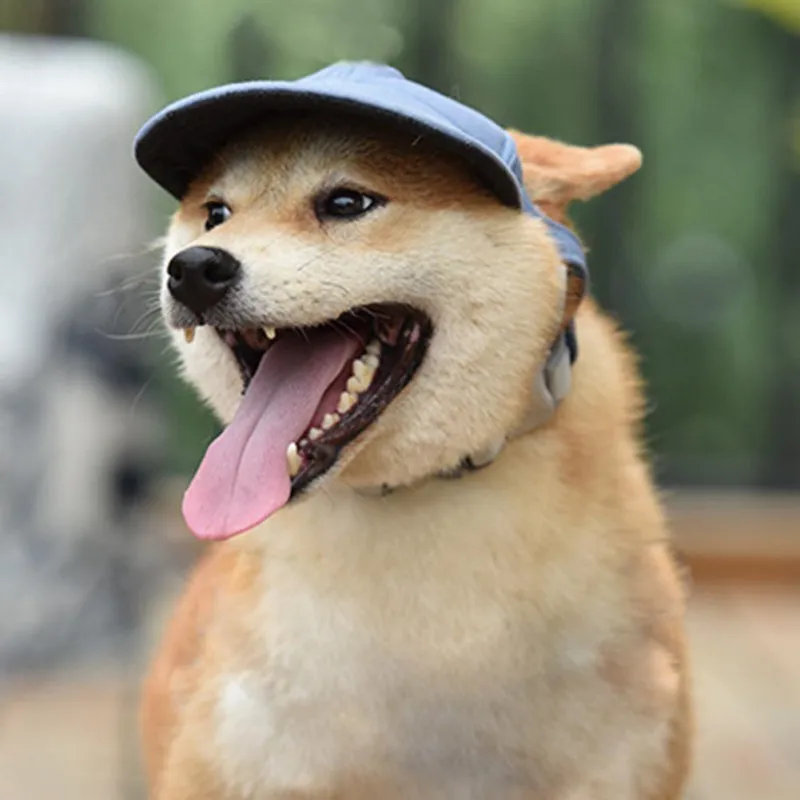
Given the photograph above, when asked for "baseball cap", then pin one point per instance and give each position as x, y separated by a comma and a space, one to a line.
179, 141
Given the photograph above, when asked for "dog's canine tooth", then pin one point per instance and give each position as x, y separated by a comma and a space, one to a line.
293, 460
188, 335
270, 332
346, 402
329, 420
374, 348
314, 434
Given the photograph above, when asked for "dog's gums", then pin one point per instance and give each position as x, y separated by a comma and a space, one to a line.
385, 345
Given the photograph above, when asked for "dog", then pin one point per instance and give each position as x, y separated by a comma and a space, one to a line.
441, 566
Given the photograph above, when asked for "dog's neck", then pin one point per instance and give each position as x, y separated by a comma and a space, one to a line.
550, 387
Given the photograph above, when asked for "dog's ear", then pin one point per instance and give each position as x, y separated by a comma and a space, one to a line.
555, 173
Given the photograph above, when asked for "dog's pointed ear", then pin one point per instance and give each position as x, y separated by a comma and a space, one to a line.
555, 173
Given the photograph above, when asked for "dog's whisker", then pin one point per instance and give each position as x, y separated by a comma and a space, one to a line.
137, 398
129, 337
150, 316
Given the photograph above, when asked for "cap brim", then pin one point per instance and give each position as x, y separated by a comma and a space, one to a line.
175, 145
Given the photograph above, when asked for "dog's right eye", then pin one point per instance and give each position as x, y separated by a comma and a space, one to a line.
217, 213
345, 204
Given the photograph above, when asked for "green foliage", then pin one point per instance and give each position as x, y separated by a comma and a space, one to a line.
188, 41
707, 105
714, 153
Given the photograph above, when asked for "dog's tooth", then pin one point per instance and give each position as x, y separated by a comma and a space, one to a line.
361, 377
364, 370
270, 332
374, 348
293, 460
368, 375
329, 420
371, 361
360, 383
346, 402
314, 434
357, 385
188, 335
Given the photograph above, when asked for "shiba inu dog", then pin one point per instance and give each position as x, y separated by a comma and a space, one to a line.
441, 567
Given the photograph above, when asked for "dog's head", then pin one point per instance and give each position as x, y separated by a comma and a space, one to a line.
359, 304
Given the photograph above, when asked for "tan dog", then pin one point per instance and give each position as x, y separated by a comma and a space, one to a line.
515, 632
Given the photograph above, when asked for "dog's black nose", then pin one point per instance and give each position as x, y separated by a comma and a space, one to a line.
199, 277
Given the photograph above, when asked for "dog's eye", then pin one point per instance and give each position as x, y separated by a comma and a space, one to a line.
345, 204
217, 214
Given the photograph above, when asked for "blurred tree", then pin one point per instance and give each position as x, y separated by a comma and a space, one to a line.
250, 52
783, 440
612, 225
44, 17
65, 17
429, 54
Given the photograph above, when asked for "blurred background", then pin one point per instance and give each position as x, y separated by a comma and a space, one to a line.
697, 255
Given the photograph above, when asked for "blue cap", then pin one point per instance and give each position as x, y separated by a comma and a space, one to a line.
179, 141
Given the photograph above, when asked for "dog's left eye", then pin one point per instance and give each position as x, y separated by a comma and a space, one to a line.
345, 204
217, 213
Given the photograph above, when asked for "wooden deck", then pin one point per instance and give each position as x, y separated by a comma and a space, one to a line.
745, 645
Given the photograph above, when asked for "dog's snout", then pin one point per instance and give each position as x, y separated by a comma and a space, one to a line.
199, 277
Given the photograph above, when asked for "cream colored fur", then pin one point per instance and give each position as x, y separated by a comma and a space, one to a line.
515, 633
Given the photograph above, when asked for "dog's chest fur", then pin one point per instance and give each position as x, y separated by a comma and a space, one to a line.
375, 663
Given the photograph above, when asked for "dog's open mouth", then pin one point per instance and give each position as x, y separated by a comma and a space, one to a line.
389, 344
308, 392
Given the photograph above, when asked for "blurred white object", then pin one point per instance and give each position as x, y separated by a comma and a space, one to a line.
78, 440
72, 200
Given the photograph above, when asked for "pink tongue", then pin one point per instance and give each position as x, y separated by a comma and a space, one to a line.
243, 477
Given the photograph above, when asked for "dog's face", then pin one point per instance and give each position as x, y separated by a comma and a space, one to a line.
385, 314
